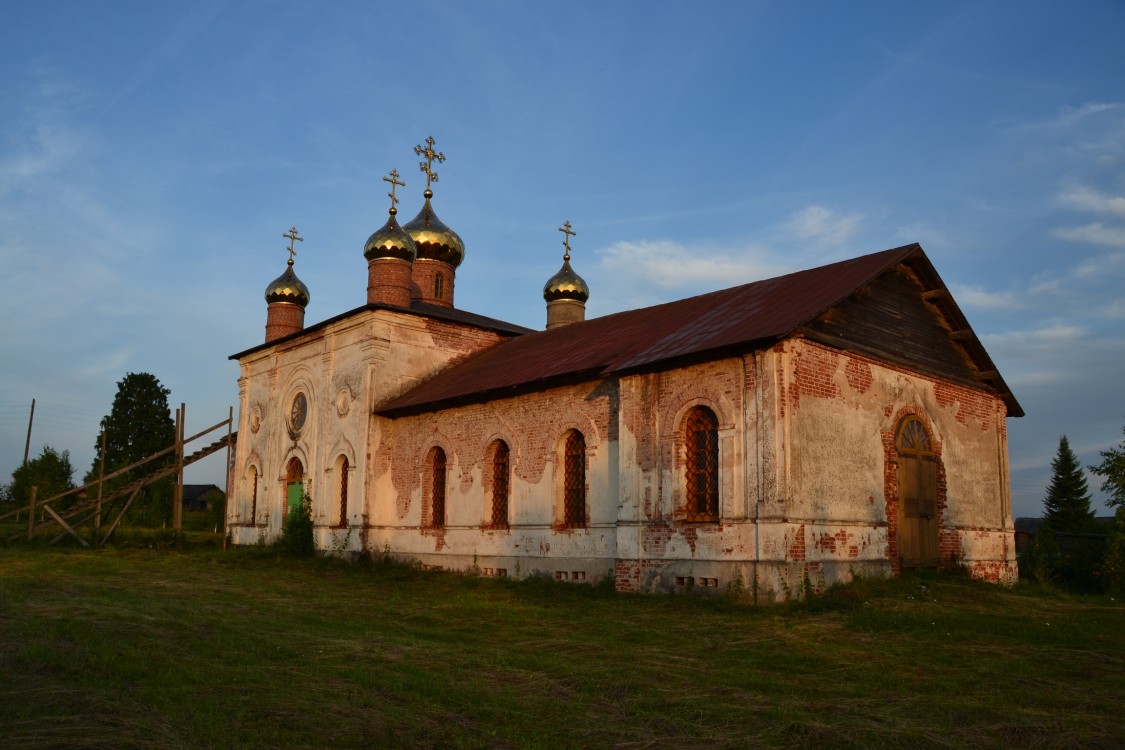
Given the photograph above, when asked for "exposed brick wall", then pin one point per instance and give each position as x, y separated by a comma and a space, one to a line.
858, 374
423, 277
388, 282
533, 426
629, 574
971, 405
282, 319
814, 373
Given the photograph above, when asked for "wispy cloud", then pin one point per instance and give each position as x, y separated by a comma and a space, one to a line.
1069, 116
670, 265
1093, 234
1045, 336
1115, 309
982, 299
1085, 198
824, 226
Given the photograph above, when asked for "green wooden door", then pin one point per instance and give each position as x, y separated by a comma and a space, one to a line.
296, 491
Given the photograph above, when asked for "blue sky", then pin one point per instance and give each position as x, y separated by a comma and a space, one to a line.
152, 154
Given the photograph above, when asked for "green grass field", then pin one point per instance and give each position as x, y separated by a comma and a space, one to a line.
245, 649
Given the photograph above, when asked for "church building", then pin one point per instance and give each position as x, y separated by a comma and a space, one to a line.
778, 436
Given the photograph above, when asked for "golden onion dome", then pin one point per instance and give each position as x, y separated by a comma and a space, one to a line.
432, 239
566, 284
288, 288
390, 242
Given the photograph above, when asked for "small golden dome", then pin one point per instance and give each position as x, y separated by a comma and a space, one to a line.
390, 242
288, 288
566, 284
432, 239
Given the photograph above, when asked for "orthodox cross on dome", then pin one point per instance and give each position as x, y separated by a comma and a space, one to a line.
291, 235
568, 232
393, 179
427, 165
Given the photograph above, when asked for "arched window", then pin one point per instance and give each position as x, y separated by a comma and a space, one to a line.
701, 465
917, 494
501, 474
439, 286
342, 489
436, 517
252, 491
574, 480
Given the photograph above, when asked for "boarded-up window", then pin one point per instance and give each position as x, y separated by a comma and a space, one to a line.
574, 480
501, 473
701, 465
917, 493
437, 489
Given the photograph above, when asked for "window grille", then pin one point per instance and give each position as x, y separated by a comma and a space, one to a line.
701, 434
437, 489
913, 437
574, 481
294, 471
253, 495
501, 464
343, 490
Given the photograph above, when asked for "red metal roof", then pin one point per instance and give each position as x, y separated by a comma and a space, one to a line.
757, 312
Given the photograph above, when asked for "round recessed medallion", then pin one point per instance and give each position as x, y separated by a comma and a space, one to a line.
298, 413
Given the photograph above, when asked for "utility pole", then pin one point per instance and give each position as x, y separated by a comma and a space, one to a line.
27, 445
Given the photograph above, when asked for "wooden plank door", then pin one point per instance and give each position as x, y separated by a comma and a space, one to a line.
918, 531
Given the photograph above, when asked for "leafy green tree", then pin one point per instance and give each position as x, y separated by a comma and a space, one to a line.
139, 424
1112, 468
51, 472
1067, 505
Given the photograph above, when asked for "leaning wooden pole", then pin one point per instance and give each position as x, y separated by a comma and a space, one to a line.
226, 479
178, 493
30, 420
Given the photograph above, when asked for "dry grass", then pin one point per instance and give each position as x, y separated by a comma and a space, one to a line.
248, 649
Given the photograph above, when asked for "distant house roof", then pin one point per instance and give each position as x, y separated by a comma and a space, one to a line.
692, 329
196, 491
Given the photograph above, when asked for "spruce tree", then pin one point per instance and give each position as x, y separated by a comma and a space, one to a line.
1066, 508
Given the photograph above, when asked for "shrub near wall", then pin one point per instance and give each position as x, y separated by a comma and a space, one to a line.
297, 531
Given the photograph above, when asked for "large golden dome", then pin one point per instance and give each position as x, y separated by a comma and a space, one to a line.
390, 242
288, 288
566, 284
432, 239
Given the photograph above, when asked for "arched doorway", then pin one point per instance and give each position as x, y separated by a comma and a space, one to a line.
294, 484
917, 495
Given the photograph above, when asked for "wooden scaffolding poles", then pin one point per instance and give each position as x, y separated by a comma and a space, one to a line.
101, 505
